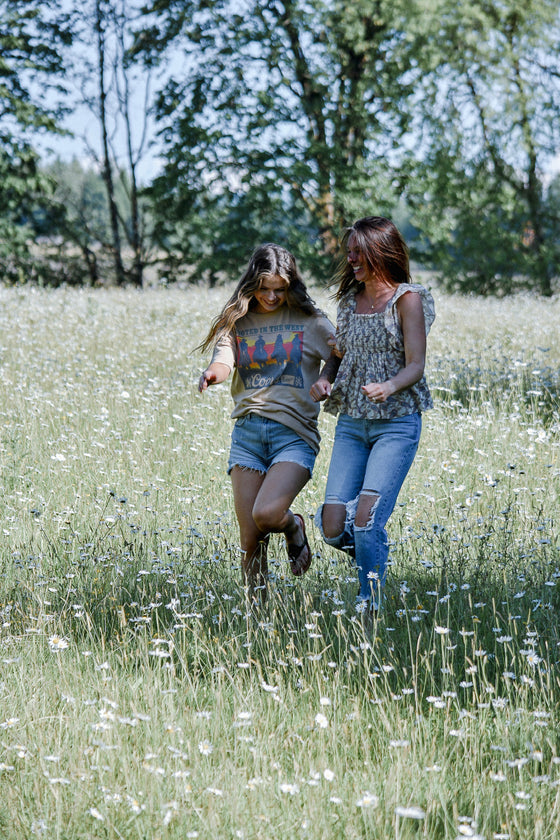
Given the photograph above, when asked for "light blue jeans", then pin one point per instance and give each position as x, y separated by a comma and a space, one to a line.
373, 457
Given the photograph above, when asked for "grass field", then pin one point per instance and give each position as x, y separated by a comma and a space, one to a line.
140, 697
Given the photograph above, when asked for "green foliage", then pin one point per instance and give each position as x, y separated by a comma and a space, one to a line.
285, 121
489, 104
31, 36
22, 186
285, 111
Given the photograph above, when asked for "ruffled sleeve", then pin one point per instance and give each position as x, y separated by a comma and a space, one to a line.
392, 320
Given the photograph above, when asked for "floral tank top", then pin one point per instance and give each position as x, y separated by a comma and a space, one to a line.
372, 349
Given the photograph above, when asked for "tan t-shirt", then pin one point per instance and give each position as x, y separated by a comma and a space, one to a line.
276, 359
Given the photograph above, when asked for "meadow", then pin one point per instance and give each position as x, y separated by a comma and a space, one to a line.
142, 696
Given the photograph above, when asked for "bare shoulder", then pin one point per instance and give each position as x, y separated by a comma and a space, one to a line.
410, 302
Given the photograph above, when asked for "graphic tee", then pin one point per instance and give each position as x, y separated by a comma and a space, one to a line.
276, 358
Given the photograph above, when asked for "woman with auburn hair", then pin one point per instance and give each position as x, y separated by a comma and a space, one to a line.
374, 380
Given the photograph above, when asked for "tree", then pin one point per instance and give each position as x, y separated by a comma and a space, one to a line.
490, 110
101, 12
294, 106
31, 36
117, 92
76, 217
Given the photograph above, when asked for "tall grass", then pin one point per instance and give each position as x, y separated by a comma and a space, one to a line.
141, 696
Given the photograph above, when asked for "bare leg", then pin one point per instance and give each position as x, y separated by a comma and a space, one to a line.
262, 506
271, 510
246, 485
333, 518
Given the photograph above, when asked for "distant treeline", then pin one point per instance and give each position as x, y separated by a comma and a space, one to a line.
280, 121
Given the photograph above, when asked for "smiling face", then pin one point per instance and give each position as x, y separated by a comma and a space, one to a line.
357, 261
271, 295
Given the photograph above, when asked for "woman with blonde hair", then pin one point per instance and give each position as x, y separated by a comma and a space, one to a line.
275, 439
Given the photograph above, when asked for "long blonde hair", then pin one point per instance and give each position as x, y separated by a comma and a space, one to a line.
266, 261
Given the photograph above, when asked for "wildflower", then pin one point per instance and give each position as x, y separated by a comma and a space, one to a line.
368, 800
285, 787
205, 747
57, 643
469, 831
412, 812
97, 815
252, 784
328, 775
321, 721
533, 659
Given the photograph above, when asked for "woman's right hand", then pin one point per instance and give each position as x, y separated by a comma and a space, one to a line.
215, 373
320, 390
207, 377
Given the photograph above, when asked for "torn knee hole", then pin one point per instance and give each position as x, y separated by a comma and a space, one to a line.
367, 505
332, 519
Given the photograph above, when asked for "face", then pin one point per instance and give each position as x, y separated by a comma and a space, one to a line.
357, 261
271, 295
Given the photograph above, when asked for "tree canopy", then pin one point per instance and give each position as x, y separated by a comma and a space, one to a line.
31, 37
287, 119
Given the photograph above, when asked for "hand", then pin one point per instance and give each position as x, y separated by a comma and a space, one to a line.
207, 377
378, 392
320, 390
334, 349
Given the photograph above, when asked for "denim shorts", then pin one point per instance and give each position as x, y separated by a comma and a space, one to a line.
258, 442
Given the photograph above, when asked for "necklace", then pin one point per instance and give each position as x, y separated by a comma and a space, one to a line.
379, 303
372, 304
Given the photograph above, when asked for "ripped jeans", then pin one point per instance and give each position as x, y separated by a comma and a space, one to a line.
371, 457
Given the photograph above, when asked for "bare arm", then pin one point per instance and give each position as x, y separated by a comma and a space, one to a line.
321, 389
214, 374
414, 333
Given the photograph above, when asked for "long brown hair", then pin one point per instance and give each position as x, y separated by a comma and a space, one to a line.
384, 249
266, 261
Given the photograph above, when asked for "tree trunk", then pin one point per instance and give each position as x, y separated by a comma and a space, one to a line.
120, 274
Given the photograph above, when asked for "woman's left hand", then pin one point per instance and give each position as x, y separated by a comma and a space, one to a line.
378, 392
